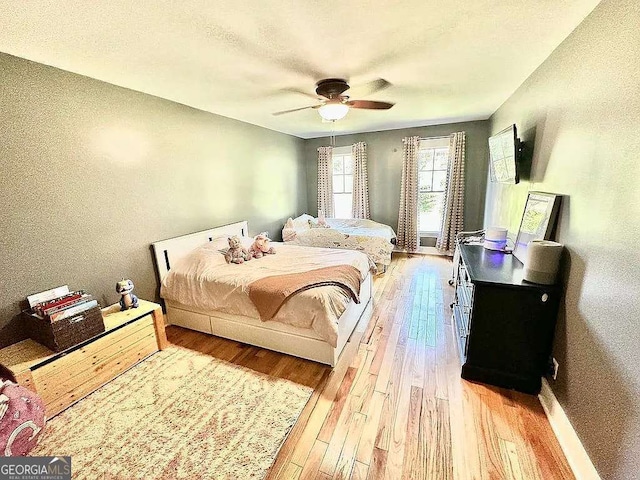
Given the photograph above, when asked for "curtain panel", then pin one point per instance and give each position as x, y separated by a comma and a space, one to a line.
408, 216
453, 211
325, 182
360, 205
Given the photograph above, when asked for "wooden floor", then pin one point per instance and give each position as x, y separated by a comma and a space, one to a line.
395, 406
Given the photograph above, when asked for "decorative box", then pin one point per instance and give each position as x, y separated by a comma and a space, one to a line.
65, 333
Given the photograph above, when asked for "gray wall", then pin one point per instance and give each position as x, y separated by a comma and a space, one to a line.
91, 174
581, 111
384, 155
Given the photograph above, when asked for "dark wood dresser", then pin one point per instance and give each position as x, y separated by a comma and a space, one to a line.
505, 325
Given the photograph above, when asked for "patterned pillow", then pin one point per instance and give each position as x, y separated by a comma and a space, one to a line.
314, 224
21, 419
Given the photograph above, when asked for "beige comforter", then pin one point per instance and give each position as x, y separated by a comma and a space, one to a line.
204, 280
270, 293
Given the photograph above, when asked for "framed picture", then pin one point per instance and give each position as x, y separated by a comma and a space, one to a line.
538, 221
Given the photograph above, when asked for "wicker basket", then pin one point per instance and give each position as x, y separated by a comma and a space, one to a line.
67, 332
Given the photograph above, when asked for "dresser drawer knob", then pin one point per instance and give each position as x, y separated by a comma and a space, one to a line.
544, 297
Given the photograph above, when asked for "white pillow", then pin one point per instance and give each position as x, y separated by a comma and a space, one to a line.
289, 231
222, 242
302, 222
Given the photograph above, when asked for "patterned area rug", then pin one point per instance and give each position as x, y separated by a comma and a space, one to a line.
179, 414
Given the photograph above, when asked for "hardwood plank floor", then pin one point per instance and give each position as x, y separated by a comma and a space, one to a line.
395, 405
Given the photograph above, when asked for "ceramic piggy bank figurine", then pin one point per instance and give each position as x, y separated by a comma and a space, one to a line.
128, 300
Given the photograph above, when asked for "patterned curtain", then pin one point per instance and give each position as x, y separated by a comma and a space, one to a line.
360, 206
325, 182
408, 217
453, 215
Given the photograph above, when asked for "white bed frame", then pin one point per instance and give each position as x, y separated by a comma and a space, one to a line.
299, 342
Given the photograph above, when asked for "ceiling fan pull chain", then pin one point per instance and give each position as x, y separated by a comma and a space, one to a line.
332, 139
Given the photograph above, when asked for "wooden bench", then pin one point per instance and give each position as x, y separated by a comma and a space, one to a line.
63, 378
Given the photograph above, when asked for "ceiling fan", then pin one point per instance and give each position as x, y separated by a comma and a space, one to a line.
334, 105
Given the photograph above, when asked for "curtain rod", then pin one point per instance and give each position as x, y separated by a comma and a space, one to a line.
436, 137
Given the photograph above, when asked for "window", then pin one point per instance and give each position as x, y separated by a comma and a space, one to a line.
433, 161
342, 182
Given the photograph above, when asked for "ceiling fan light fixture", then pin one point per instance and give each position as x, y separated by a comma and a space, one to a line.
333, 111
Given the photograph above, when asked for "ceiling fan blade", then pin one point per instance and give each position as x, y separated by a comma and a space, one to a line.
369, 104
302, 92
294, 110
369, 88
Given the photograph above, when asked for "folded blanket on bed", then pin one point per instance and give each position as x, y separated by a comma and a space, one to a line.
269, 293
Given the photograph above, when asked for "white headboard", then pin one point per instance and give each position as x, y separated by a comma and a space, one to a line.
168, 251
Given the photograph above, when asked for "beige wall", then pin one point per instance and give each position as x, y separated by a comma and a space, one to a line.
91, 174
384, 155
581, 111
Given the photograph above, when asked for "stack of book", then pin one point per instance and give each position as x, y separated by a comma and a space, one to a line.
61, 319
60, 303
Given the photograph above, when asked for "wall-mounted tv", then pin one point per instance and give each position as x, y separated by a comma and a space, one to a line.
504, 153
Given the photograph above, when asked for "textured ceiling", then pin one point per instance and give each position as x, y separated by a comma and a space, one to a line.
448, 61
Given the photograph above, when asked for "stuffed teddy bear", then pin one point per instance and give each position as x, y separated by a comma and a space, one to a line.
128, 299
261, 246
236, 252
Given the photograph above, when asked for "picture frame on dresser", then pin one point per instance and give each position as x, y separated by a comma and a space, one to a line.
538, 221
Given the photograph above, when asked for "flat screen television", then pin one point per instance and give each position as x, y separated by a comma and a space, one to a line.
504, 154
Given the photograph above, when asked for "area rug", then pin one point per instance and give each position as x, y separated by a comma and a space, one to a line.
178, 414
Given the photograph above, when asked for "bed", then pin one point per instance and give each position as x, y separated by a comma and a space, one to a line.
373, 238
202, 292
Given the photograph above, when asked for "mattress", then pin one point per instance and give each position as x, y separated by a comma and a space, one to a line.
372, 238
203, 280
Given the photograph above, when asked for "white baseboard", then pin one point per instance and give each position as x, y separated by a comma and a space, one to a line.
577, 456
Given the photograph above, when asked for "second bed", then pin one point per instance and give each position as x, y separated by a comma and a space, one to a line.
374, 239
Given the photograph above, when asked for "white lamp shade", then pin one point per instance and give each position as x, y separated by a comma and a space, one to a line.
333, 111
